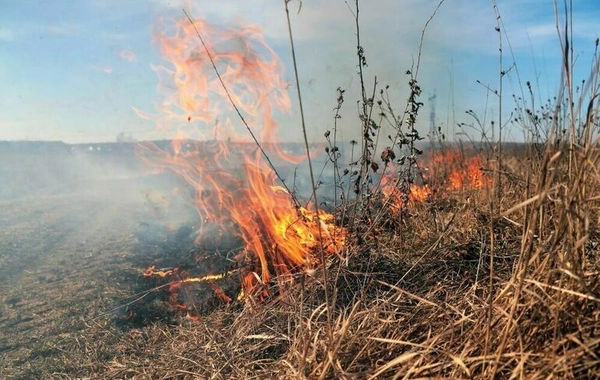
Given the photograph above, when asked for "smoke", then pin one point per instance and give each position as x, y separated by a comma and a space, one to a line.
108, 173
113, 173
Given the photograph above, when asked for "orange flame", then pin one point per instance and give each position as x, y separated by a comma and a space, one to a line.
462, 171
471, 175
447, 170
397, 198
235, 188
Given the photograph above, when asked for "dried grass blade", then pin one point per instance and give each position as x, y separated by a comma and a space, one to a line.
399, 360
571, 292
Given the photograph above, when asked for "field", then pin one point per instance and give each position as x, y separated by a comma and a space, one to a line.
422, 297
223, 253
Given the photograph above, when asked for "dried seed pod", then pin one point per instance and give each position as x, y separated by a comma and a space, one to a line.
388, 155
374, 166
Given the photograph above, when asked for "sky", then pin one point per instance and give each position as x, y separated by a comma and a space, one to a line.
77, 70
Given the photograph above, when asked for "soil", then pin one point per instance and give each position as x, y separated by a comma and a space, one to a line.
68, 260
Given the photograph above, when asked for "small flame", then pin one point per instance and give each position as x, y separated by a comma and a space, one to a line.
398, 199
447, 170
471, 175
462, 171
420, 193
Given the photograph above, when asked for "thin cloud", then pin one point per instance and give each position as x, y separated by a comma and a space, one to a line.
104, 69
6, 35
13, 30
66, 29
542, 31
127, 55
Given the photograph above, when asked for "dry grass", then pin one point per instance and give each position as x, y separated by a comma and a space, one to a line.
414, 301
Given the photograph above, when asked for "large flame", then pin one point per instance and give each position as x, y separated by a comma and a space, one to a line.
235, 188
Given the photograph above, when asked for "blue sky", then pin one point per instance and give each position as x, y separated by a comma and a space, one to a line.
75, 70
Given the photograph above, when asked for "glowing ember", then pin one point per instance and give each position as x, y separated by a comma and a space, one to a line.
151, 271
235, 188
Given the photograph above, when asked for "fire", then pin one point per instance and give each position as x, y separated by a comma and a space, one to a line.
399, 199
235, 189
462, 171
471, 175
445, 171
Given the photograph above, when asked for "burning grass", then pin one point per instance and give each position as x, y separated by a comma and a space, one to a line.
457, 265
421, 301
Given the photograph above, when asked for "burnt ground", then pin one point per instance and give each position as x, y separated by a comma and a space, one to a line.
72, 251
